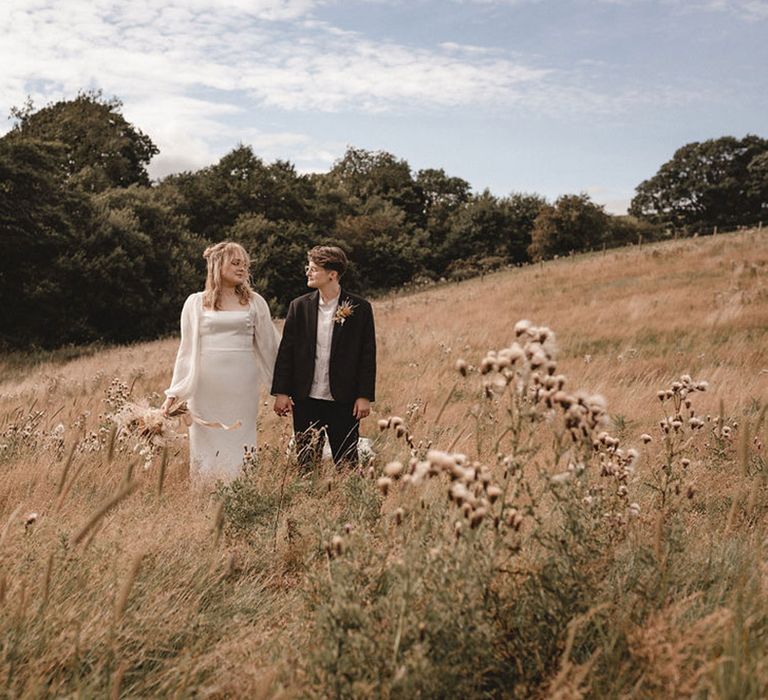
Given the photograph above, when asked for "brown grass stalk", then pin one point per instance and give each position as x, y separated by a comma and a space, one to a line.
121, 601
103, 509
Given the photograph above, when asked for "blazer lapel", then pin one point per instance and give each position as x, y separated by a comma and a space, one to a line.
312, 320
337, 327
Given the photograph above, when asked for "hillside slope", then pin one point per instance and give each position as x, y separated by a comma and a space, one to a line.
182, 589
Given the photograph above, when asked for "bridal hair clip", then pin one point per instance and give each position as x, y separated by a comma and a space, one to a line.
344, 310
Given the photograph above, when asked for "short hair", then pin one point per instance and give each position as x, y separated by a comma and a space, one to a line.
330, 257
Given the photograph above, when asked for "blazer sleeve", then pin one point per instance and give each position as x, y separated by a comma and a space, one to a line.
367, 389
282, 381
183, 368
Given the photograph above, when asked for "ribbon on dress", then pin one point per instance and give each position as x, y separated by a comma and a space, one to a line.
188, 417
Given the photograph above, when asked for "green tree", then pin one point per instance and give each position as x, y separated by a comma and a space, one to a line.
240, 184
386, 250
521, 211
366, 174
278, 251
441, 193
480, 228
40, 218
573, 223
719, 182
100, 149
626, 230
138, 263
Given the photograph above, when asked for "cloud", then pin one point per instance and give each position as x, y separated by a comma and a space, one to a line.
751, 10
614, 200
191, 71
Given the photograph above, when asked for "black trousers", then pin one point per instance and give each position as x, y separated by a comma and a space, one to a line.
313, 416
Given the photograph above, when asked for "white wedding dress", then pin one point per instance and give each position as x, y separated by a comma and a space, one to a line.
226, 391
224, 360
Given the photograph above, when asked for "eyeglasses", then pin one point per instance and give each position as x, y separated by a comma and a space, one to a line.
313, 268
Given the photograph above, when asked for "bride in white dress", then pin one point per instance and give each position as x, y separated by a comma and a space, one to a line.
226, 354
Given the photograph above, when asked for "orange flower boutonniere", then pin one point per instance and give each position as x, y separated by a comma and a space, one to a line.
344, 310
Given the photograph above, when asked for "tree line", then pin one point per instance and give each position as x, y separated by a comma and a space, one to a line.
91, 249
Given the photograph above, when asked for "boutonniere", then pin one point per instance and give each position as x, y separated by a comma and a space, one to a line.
344, 310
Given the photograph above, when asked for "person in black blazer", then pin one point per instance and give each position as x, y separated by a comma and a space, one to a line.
325, 372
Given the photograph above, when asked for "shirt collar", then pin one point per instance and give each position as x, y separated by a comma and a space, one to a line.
331, 302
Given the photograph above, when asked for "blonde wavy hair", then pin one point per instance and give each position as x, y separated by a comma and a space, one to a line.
215, 257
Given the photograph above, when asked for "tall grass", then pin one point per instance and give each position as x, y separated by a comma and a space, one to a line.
537, 521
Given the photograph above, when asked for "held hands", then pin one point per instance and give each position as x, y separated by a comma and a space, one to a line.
362, 409
283, 404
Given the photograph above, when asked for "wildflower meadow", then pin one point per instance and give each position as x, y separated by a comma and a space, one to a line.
565, 496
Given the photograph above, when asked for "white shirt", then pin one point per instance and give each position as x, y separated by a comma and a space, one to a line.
321, 382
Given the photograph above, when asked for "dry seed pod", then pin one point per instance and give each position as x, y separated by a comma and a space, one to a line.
493, 493
477, 517
393, 469
384, 483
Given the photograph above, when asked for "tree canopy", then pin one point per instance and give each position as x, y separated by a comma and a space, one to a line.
720, 182
99, 148
91, 249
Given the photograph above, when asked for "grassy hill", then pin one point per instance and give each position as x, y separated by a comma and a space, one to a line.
627, 574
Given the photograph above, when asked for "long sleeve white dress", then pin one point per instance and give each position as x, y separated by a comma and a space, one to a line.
224, 359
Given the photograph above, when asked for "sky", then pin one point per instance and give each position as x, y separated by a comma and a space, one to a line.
547, 96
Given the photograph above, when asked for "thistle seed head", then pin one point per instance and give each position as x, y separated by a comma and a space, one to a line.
393, 470
493, 493
384, 483
522, 327
477, 517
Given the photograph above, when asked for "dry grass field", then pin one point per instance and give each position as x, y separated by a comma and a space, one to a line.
574, 558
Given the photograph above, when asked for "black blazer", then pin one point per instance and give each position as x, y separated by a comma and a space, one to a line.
353, 351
